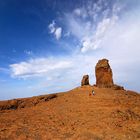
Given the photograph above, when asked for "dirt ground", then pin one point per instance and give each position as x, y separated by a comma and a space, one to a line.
73, 115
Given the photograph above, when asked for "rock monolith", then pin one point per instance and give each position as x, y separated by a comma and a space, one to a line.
104, 75
85, 80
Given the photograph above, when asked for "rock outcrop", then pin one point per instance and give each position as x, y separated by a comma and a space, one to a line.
117, 87
104, 75
85, 80
25, 102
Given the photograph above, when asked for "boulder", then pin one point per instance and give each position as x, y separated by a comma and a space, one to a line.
117, 87
104, 75
85, 80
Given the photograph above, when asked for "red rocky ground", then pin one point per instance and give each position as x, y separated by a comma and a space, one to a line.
74, 115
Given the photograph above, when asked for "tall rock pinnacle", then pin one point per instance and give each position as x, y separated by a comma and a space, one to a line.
104, 75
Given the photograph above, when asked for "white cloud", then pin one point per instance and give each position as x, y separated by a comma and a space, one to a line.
74, 26
92, 31
95, 40
80, 13
67, 34
38, 67
56, 31
55, 74
52, 27
118, 40
77, 11
120, 46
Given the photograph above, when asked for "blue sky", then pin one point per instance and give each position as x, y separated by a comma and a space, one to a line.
47, 46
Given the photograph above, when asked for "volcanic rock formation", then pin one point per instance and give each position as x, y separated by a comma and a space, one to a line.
104, 75
85, 80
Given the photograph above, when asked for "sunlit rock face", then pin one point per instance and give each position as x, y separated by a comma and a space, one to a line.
85, 80
104, 75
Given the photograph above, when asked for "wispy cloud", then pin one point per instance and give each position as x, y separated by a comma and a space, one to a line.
77, 11
55, 30
52, 27
27, 52
38, 67
93, 42
58, 33
100, 32
55, 74
89, 25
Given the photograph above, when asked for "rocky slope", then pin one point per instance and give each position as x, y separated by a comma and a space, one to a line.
74, 115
